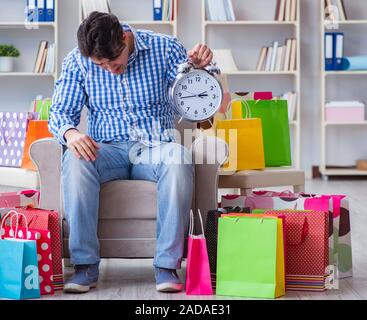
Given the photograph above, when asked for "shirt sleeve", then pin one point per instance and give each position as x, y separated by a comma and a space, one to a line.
176, 55
68, 99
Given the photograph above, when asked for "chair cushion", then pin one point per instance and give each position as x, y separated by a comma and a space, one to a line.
128, 199
262, 178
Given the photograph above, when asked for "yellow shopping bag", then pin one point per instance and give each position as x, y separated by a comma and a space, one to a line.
245, 141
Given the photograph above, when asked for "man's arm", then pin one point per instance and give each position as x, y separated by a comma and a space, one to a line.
67, 104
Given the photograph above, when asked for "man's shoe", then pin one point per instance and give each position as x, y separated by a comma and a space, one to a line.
84, 278
167, 280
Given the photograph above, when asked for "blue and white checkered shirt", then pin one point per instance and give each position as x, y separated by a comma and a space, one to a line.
133, 106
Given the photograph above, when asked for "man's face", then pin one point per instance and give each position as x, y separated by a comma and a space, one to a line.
117, 65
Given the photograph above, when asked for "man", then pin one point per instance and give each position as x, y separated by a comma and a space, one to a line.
122, 76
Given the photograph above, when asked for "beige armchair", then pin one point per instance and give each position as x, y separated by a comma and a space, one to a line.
127, 213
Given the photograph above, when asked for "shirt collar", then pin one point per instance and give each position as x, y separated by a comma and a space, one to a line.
141, 43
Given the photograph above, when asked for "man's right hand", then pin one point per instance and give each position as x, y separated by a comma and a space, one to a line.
81, 145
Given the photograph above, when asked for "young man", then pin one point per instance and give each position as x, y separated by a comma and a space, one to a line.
122, 76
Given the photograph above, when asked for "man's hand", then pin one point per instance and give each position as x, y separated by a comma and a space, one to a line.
81, 145
200, 56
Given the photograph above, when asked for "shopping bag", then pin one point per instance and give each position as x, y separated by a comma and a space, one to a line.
38, 129
43, 242
307, 258
340, 243
19, 198
250, 257
13, 128
19, 278
48, 220
43, 108
245, 142
211, 234
275, 129
197, 269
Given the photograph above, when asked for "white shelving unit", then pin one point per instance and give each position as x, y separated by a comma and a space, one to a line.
330, 75
292, 28
26, 37
137, 15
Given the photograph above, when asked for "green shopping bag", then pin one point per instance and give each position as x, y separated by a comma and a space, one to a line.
250, 257
43, 107
275, 126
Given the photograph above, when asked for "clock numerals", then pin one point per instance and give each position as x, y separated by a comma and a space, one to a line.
182, 103
187, 109
198, 79
214, 96
184, 87
204, 110
211, 88
189, 81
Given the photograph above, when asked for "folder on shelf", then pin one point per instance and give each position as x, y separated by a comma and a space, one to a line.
338, 50
50, 10
281, 10
41, 4
329, 51
287, 58
157, 10
31, 11
262, 58
274, 56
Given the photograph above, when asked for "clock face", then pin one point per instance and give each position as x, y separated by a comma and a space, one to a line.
197, 95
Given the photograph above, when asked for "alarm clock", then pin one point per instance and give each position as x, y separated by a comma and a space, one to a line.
196, 94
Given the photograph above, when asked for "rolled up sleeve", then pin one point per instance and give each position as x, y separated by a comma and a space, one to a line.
68, 99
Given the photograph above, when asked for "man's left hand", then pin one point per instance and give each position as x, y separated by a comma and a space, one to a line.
200, 56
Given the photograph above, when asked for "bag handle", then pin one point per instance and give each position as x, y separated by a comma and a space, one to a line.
191, 229
43, 104
304, 234
229, 108
12, 214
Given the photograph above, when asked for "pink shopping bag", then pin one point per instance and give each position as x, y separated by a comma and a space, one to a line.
198, 280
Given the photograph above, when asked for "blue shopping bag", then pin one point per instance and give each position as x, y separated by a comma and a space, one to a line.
19, 278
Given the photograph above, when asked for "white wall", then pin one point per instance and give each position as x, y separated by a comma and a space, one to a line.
346, 144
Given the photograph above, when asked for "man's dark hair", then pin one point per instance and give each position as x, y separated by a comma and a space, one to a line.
100, 36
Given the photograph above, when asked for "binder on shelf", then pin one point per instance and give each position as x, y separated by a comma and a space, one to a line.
41, 10
274, 56
262, 58
338, 41
32, 11
157, 10
281, 10
50, 10
329, 51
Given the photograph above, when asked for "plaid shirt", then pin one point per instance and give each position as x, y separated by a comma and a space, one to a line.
133, 106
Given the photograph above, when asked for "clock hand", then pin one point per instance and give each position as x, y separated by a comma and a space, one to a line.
202, 95
189, 92
188, 97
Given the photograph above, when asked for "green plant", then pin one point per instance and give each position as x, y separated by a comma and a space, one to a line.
9, 51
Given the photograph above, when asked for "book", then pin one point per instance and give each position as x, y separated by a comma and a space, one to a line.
281, 11
229, 10
293, 16
287, 10
43, 61
341, 10
41, 49
293, 58
278, 65
262, 57
287, 54
329, 51
224, 60
338, 50
268, 59
274, 56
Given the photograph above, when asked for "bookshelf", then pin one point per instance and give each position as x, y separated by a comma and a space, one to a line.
260, 20
26, 37
330, 88
136, 14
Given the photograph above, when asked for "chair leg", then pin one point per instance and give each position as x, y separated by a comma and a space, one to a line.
299, 188
246, 191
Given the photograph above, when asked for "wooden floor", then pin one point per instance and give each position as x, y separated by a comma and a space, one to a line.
133, 278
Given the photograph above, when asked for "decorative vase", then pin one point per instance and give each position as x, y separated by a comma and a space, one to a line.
6, 64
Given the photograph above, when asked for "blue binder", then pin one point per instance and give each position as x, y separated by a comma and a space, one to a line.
157, 10
31, 11
338, 50
329, 51
50, 10
41, 4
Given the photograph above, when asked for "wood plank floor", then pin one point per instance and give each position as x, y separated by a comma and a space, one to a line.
133, 278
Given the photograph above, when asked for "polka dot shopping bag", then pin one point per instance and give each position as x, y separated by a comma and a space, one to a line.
43, 243
13, 129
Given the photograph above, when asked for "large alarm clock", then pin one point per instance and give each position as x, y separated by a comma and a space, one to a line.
196, 94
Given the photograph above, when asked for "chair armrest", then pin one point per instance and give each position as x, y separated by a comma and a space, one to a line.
46, 155
209, 153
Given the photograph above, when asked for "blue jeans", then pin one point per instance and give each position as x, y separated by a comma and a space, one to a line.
169, 165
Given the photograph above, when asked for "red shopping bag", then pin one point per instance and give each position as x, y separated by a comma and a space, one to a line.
307, 255
198, 280
43, 242
48, 220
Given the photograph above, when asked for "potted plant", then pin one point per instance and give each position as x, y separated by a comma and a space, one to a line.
8, 53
